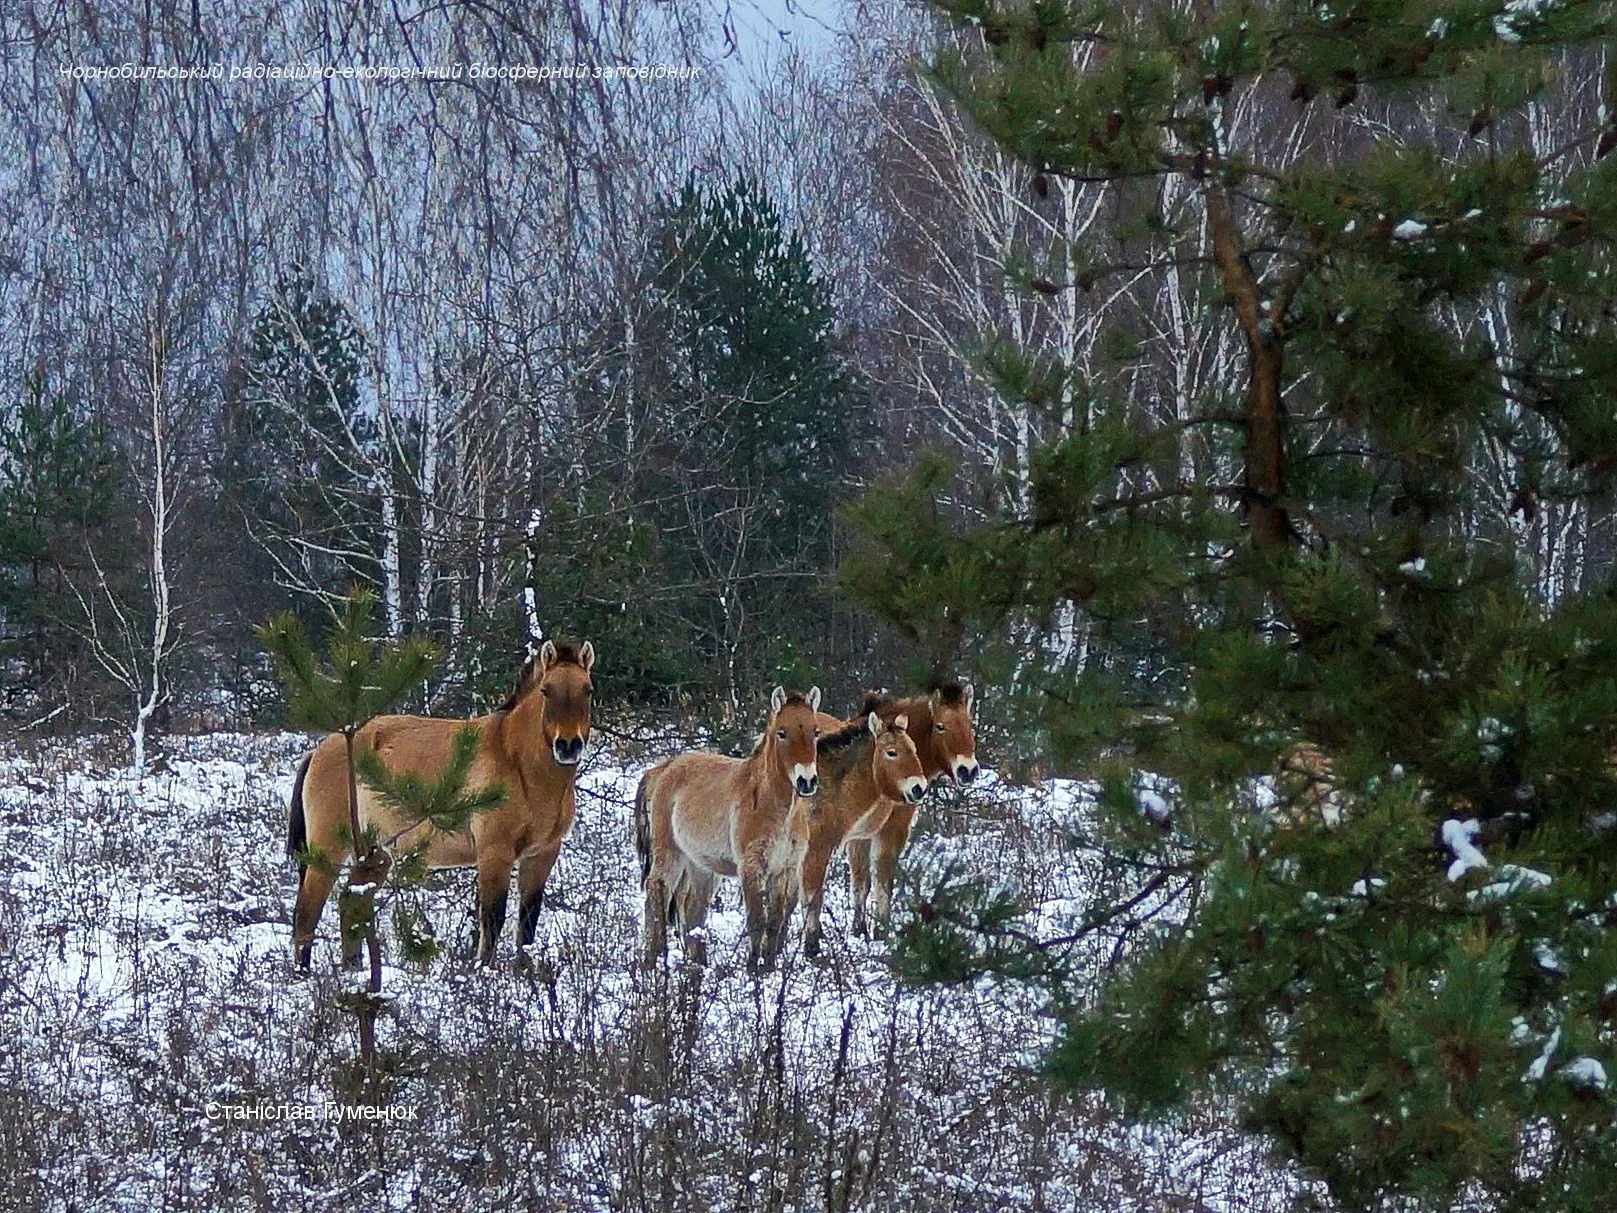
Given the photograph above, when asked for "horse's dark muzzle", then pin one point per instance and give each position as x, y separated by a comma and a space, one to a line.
808, 785
965, 774
568, 750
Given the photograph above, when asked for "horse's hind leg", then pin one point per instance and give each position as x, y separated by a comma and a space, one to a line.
493, 887
658, 901
859, 881
695, 896
313, 890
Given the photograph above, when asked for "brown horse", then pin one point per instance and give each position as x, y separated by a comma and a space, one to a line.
867, 772
940, 726
702, 816
531, 746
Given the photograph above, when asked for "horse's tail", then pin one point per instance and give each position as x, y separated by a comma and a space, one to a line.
642, 842
297, 825
642, 828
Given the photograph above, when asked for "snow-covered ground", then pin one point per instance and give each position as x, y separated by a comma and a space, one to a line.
145, 990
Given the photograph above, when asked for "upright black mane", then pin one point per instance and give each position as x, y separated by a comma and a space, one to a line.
567, 653
844, 749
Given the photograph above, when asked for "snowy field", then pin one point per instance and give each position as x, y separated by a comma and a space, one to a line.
145, 984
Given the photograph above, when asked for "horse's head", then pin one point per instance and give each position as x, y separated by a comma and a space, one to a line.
953, 743
563, 688
898, 769
792, 733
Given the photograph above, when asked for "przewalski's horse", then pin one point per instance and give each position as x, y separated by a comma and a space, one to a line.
701, 816
531, 746
940, 726
867, 771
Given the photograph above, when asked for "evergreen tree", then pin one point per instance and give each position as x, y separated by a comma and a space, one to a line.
59, 485
1389, 820
771, 429
360, 679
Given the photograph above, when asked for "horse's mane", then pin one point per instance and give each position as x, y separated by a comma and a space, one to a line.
567, 653
844, 748
917, 707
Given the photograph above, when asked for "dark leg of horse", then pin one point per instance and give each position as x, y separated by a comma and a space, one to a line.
493, 886
814, 865
532, 877
859, 882
313, 890
888, 848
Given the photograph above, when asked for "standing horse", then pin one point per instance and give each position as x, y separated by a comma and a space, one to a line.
867, 772
702, 816
940, 726
531, 746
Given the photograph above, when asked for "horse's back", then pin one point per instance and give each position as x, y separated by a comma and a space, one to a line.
695, 796
421, 745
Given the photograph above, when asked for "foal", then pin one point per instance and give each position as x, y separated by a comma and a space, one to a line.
531, 746
940, 726
701, 816
869, 770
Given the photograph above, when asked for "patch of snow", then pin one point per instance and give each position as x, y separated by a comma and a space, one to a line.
1458, 835
1585, 1072
1409, 229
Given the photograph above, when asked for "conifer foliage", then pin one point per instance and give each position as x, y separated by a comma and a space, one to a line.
1378, 822
360, 679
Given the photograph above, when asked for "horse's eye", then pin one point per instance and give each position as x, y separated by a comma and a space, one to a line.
781, 733
892, 753
816, 732
943, 728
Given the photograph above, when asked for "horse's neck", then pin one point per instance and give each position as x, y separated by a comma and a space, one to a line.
859, 788
934, 761
539, 777
767, 772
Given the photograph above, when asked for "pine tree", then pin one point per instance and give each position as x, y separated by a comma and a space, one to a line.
1388, 827
359, 679
59, 483
757, 433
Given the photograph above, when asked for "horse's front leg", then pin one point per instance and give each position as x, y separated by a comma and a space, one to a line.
532, 876
859, 881
754, 900
791, 884
889, 846
493, 886
813, 879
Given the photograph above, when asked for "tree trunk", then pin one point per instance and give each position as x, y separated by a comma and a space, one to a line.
1265, 454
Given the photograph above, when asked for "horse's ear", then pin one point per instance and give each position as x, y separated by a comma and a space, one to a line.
873, 723
935, 701
777, 700
586, 656
814, 699
547, 655
900, 723
966, 692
